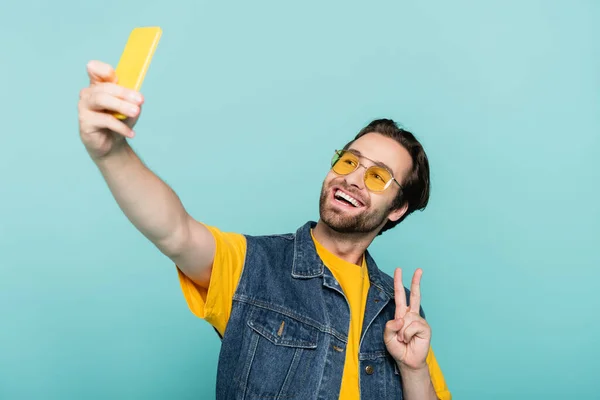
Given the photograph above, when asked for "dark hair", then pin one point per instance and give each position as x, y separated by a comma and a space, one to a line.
415, 186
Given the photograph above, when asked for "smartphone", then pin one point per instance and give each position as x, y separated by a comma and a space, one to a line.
136, 58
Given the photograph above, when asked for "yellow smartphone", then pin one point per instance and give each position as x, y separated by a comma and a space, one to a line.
136, 58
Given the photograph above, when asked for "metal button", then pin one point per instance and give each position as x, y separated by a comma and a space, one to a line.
369, 370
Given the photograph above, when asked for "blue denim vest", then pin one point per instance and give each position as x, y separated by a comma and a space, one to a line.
288, 330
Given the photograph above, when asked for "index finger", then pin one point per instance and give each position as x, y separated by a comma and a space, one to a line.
415, 291
100, 72
399, 294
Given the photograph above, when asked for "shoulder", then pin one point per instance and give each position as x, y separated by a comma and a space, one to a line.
272, 247
271, 239
227, 237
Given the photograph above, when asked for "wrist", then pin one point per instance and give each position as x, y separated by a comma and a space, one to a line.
117, 154
421, 372
416, 383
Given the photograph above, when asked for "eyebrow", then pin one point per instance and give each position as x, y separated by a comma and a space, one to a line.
378, 163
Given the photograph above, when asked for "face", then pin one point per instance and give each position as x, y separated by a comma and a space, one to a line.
347, 206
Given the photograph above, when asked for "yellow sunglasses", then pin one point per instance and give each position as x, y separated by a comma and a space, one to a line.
377, 178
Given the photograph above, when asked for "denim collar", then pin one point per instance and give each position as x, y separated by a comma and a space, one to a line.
307, 264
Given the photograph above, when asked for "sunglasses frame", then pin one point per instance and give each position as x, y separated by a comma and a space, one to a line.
339, 154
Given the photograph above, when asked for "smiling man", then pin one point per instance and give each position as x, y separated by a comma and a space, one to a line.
304, 315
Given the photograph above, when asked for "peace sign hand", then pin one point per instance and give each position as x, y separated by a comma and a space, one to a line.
407, 337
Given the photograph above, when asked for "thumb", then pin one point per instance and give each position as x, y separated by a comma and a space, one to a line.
100, 72
391, 329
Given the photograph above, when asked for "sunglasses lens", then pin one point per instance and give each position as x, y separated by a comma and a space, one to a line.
344, 163
376, 178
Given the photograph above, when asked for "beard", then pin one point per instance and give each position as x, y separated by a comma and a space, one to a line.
366, 222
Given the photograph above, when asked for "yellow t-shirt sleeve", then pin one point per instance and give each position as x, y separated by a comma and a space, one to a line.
214, 304
437, 378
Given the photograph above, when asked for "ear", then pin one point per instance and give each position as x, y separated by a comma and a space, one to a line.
398, 213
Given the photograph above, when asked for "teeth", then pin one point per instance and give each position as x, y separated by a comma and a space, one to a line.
350, 199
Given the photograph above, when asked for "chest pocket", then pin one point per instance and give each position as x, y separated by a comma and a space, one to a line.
282, 330
279, 351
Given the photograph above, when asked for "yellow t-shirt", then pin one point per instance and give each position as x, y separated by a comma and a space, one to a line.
214, 305
354, 281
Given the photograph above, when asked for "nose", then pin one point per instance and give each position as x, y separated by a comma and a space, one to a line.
355, 178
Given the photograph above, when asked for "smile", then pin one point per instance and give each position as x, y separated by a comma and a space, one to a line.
345, 199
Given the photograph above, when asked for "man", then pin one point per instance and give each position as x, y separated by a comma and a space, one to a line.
303, 315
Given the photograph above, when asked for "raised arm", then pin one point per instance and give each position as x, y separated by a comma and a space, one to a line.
148, 202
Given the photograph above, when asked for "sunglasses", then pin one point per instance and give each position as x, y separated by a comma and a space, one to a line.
377, 178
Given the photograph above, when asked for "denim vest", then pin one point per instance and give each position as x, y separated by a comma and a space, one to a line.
288, 330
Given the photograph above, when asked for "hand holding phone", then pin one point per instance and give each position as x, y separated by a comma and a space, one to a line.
115, 93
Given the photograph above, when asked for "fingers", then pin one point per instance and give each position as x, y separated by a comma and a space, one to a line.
392, 328
121, 92
399, 294
100, 72
105, 95
93, 121
111, 97
418, 328
415, 291
409, 319
102, 101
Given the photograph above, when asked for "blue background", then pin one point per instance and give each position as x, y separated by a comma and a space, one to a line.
504, 96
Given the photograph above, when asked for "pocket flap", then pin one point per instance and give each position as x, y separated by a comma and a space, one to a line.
283, 330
